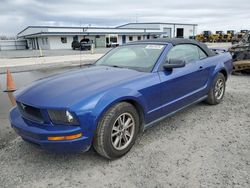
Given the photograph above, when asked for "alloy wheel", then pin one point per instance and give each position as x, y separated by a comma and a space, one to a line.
123, 131
219, 89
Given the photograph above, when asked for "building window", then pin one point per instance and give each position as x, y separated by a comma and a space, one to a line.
130, 38
64, 39
113, 39
46, 40
148, 36
139, 38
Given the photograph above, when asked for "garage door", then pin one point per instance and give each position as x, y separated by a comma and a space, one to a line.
100, 42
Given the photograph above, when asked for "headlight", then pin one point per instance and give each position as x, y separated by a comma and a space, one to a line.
62, 117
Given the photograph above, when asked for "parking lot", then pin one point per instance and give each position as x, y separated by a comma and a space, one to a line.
46, 53
202, 146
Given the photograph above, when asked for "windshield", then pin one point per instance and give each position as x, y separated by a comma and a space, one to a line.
141, 57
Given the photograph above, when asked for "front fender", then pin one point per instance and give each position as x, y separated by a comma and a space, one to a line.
92, 109
115, 96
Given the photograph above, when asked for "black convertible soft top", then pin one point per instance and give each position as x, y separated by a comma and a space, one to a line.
176, 41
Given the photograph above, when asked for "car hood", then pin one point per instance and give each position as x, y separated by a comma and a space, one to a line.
67, 89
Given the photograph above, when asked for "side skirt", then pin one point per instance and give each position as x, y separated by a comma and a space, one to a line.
146, 126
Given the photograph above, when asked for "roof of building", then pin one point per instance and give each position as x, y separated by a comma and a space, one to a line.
176, 41
77, 27
88, 33
141, 23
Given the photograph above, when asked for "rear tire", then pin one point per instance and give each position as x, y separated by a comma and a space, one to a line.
117, 131
217, 90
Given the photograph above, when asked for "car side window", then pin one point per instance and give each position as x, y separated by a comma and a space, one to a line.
202, 53
186, 52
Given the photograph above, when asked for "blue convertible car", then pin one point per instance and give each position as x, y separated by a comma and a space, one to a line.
127, 90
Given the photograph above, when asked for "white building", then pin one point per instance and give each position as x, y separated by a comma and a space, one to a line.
53, 37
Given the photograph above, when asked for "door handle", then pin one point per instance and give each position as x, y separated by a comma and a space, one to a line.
200, 67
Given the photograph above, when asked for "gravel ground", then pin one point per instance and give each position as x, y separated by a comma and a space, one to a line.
202, 146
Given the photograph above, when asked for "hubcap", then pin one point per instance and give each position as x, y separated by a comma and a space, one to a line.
123, 131
219, 89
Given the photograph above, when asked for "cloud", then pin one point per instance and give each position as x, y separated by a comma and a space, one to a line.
213, 15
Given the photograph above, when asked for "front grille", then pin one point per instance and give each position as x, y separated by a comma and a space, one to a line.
30, 113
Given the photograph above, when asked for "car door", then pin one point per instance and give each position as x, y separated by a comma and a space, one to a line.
205, 67
181, 86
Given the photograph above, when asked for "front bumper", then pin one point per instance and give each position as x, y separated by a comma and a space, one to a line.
38, 135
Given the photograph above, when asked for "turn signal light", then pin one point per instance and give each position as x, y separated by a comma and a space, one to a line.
69, 137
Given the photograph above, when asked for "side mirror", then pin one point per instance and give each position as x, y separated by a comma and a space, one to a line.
174, 63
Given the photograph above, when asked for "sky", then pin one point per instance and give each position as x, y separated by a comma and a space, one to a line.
212, 15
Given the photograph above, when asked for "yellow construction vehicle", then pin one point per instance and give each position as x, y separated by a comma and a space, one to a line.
199, 37
214, 38
205, 36
220, 33
228, 37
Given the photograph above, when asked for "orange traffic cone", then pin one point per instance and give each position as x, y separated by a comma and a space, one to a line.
11, 87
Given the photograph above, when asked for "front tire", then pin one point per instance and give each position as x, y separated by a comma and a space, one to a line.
117, 131
217, 91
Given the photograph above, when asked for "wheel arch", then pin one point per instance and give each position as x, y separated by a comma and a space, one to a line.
139, 109
131, 100
215, 73
224, 72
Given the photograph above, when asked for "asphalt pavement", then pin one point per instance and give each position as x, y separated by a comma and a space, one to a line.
13, 54
25, 60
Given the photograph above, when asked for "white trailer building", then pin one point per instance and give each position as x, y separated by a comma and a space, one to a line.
54, 37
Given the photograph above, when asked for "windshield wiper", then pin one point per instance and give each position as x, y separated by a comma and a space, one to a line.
87, 64
116, 66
